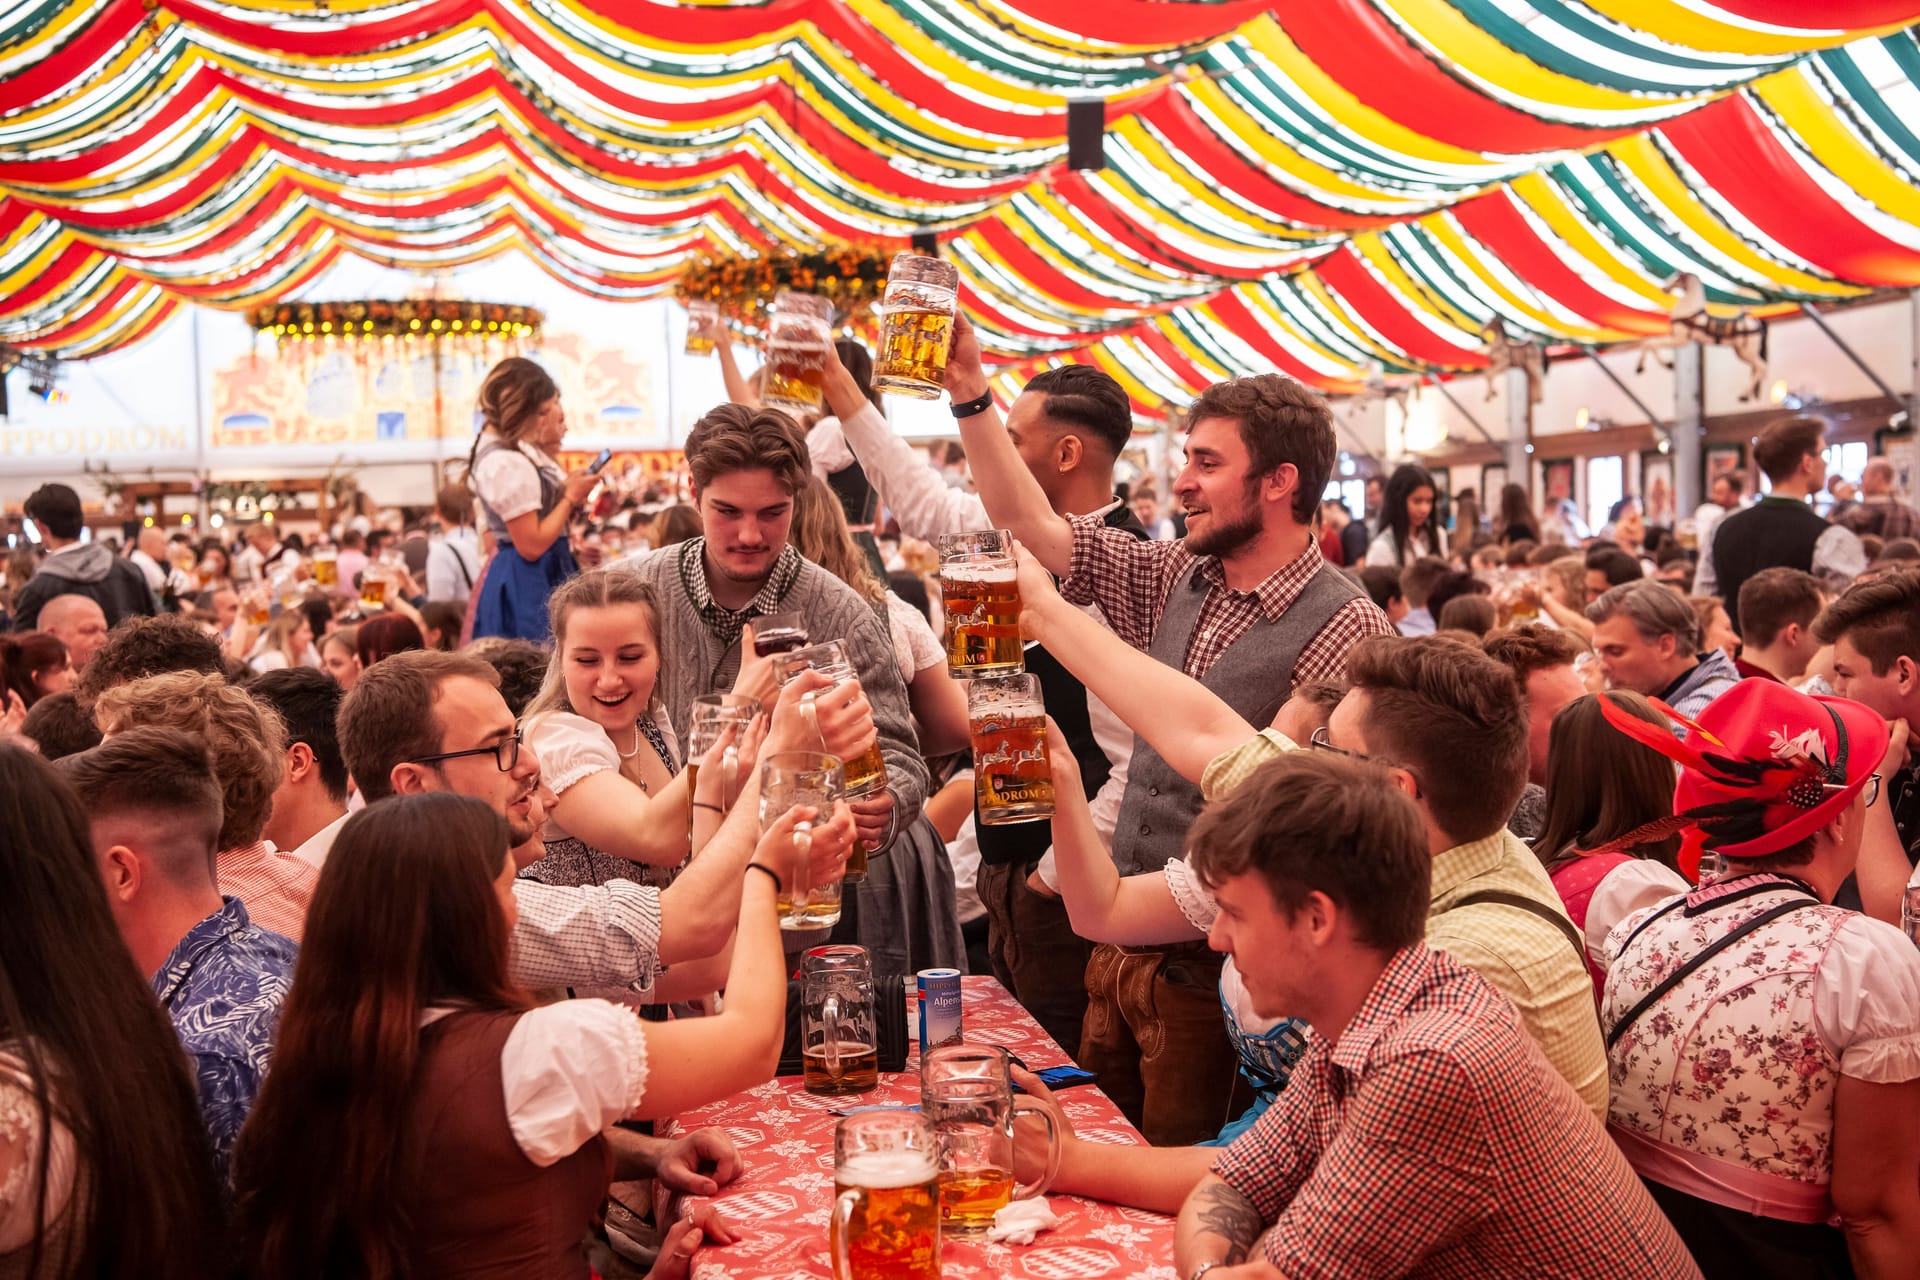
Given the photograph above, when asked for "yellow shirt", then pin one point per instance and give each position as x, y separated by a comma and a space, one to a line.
1527, 958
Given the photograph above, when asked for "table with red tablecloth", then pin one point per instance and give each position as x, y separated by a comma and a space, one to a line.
785, 1139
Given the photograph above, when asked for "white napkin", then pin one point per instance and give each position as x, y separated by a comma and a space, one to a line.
1021, 1221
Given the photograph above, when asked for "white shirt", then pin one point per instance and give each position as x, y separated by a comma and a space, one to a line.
915, 647
1627, 888
508, 480
573, 748
1838, 558
156, 576
569, 1070
1385, 548
453, 563
315, 848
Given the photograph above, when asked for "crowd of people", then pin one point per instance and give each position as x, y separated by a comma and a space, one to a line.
1438, 901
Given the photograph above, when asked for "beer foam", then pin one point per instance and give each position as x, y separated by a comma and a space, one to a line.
885, 1170
977, 571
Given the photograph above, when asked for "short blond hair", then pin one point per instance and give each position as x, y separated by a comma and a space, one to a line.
247, 740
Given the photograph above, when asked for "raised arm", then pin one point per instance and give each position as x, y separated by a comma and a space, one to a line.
738, 389
1013, 498
925, 505
1883, 868
1178, 716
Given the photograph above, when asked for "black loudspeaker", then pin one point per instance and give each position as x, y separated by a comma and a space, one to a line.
926, 244
5, 412
1086, 134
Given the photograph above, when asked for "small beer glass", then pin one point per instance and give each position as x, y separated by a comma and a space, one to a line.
886, 1205
980, 592
866, 772
713, 715
1012, 778
701, 313
779, 633
916, 327
966, 1094
788, 778
798, 335
838, 1049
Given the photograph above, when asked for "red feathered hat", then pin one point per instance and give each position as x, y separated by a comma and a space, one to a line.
1763, 768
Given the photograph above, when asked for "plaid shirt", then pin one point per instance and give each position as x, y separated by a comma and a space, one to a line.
275, 885
1432, 1141
726, 623
1130, 580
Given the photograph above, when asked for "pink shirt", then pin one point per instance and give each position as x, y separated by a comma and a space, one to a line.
274, 884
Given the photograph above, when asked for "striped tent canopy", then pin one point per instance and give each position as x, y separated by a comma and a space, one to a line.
1334, 188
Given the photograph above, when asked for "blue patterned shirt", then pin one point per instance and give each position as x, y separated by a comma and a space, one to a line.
223, 986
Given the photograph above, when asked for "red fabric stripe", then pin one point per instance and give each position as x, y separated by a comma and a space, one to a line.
1245, 325
1496, 222
1735, 151
1347, 275
1036, 270
1189, 373
1139, 22
1825, 15
1117, 222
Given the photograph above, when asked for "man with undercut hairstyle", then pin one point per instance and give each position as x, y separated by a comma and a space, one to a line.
156, 813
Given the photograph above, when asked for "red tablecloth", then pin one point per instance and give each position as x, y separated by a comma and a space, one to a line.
785, 1139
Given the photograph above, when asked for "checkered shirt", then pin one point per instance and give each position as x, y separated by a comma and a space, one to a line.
1130, 581
275, 885
1433, 1141
726, 623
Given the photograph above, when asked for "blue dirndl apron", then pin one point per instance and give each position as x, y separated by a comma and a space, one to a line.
512, 600
1267, 1060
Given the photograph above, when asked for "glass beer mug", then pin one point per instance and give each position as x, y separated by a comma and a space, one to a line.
966, 1094
798, 335
713, 715
916, 327
326, 567
1012, 778
700, 314
980, 593
788, 778
838, 1048
886, 1210
866, 772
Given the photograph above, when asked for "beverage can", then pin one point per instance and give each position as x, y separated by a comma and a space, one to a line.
939, 1000
1909, 914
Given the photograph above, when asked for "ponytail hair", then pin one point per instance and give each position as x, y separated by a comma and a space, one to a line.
510, 399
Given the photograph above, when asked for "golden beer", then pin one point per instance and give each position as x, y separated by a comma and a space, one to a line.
700, 313
1012, 781
699, 344
326, 571
693, 780
814, 913
859, 1069
970, 1197
890, 1227
796, 374
373, 590
914, 343
982, 604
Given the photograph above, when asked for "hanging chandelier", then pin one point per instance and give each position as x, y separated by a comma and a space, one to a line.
479, 329
851, 277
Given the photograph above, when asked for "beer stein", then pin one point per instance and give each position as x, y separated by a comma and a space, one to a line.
916, 327
866, 772
839, 1051
326, 567
700, 314
1012, 778
967, 1095
779, 633
886, 1211
789, 778
713, 715
259, 602
980, 592
798, 335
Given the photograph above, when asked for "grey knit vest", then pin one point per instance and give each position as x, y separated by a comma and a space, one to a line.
1254, 676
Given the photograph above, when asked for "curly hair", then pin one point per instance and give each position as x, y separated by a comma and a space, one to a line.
141, 647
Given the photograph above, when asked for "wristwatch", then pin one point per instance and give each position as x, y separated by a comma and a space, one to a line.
1207, 1266
967, 408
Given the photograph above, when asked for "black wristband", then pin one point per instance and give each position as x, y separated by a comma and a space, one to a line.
967, 408
771, 874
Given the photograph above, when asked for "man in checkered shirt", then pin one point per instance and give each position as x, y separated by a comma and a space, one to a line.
1423, 1134
1244, 604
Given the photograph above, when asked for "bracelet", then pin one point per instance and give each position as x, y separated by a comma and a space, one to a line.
1205, 1267
771, 874
967, 408
702, 804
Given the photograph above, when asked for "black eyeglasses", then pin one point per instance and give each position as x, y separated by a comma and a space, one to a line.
505, 753
1319, 742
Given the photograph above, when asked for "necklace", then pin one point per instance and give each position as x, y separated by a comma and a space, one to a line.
628, 755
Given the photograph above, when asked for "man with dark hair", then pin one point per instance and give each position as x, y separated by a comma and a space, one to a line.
156, 813
1647, 638
1541, 659
1782, 528
1068, 427
1775, 619
746, 465
1452, 586
1609, 567
521, 666
1382, 582
1421, 1134
142, 647
1417, 582
72, 567
59, 726
1881, 511
310, 806
1723, 496
1243, 603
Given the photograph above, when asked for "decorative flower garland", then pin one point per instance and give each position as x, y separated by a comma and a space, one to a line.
852, 277
368, 319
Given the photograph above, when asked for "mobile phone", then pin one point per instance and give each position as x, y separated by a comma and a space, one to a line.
1066, 1076
606, 456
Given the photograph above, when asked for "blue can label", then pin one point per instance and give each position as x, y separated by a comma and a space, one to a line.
939, 997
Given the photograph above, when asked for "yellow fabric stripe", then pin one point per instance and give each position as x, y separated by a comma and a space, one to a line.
1336, 312
1176, 168
1540, 195
1677, 23
1838, 147
1448, 233
1375, 251
1191, 350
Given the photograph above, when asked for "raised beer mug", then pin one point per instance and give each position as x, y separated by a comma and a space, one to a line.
701, 313
1012, 777
839, 1052
713, 715
799, 331
866, 772
788, 778
886, 1202
916, 326
980, 594
967, 1095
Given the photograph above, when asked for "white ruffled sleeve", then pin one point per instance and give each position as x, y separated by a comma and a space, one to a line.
1621, 892
1195, 903
569, 1070
570, 747
508, 481
915, 647
1866, 1002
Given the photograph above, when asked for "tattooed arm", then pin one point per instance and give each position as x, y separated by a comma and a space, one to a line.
1217, 1224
